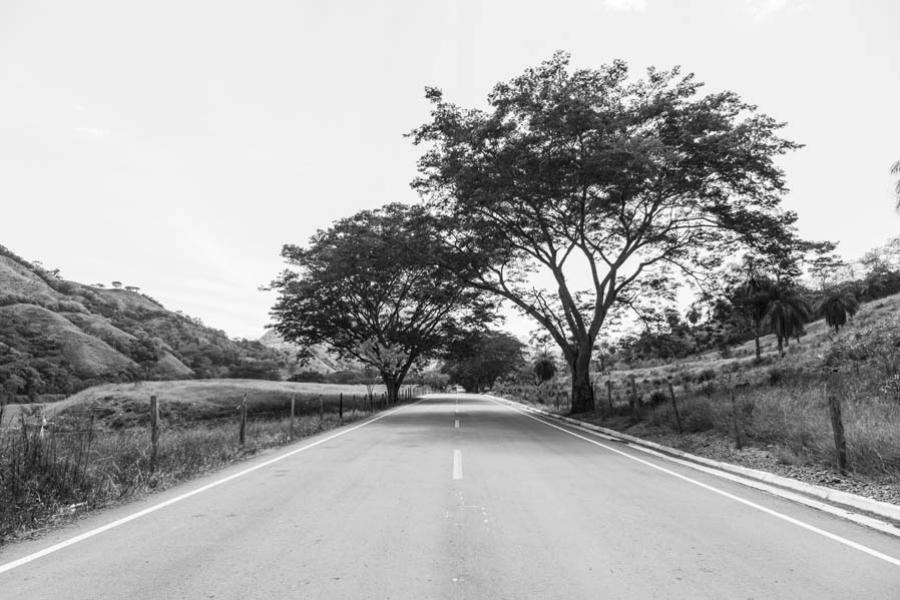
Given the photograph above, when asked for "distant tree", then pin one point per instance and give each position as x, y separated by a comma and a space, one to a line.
367, 287
478, 359
592, 175
895, 169
98, 285
786, 314
544, 367
117, 284
435, 380
836, 307
132, 288
752, 299
825, 269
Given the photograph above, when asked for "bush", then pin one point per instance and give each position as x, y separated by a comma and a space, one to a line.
658, 397
705, 375
698, 416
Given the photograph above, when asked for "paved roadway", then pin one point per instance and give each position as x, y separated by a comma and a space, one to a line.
458, 497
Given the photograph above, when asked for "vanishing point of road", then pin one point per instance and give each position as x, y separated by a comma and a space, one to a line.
457, 496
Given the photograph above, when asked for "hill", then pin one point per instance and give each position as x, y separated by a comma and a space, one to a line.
59, 336
319, 361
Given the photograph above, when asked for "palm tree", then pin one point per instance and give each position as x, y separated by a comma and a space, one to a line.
836, 307
753, 298
786, 315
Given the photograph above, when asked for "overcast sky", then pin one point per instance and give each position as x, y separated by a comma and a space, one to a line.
176, 146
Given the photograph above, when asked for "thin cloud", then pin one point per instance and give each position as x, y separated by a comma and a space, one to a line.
93, 131
626, 5
760, 9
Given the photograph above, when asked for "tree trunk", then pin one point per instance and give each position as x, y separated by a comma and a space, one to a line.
582, 390
392, 384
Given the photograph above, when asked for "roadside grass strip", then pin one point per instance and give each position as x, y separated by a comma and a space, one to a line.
117, 523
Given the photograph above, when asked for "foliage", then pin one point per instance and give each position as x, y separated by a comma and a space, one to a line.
373, 288
895, 170
836, 307
544, 367
786, 314
635, 180
478, 359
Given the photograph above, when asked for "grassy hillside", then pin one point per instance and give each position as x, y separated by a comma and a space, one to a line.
59, 336
123, 405
780, 403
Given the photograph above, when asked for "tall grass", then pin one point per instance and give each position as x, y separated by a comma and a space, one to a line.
793, 416
80, 463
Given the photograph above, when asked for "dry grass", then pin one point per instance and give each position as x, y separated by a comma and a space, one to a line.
781, 405
96, 448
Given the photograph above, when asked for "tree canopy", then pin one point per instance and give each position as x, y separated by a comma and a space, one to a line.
368, 287
477, 360
609, 186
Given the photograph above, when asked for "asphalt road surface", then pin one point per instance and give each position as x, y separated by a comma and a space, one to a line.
456, 497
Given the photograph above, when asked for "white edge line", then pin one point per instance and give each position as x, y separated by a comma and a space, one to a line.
841, 540
839, 511
89, 534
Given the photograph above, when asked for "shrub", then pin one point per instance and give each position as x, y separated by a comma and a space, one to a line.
705, 375
658, 397
698, 416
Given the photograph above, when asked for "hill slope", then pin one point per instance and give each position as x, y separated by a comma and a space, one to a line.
59, 336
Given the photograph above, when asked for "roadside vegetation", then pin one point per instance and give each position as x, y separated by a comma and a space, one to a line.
94, 449
779, 415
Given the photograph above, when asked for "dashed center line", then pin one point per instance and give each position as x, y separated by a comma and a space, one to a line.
457, 464
456, 424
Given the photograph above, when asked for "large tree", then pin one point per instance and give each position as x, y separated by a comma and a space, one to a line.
368, 288
607, 186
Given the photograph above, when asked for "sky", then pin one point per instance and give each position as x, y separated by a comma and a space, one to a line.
177, 145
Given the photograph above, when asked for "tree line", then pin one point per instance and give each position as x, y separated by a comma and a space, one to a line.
582, 197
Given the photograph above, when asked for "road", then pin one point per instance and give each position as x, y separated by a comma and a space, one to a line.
457, 497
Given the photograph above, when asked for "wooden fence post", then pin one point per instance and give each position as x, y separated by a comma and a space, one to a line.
341, 407
609, 396
242, 435
293, 412
736, 420
837, 425
675, 408
635, 401
321, 409
154, 431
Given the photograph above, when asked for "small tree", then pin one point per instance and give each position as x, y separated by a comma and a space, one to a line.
544, 367
786, 314
752, 299
895, 170
367, 288
117, 284
836, 307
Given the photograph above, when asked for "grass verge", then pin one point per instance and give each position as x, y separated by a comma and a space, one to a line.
84, 461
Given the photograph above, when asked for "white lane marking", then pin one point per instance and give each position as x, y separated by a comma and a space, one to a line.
828, 508
457, 464
456, 424
841, 540
89, 534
